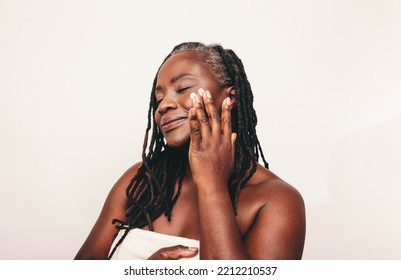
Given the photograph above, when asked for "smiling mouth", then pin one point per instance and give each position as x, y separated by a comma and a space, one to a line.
170, 125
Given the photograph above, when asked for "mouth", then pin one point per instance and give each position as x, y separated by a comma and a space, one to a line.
169, 123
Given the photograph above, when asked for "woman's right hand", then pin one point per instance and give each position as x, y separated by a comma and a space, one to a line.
174, 253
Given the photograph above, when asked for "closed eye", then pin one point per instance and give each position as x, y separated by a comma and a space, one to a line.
181, 90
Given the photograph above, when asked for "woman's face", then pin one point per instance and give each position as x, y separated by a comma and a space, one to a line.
178, 77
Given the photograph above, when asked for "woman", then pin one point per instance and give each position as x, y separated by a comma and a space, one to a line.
199, 178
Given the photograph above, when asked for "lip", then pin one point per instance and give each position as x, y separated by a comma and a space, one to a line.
171, 122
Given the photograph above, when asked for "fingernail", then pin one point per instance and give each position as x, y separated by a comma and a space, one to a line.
208, 94
194, 96
201, 91
192, 248
228, 101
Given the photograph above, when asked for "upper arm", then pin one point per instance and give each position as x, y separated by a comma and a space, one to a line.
278, 231
98, 243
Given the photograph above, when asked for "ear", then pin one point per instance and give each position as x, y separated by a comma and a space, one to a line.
231, 92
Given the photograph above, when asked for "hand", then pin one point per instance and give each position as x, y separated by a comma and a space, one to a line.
212, 145
174, 253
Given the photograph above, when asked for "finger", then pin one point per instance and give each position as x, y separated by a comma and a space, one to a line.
195, 132
177, 252
212, 113
197, 101
203, 119
226, 107
233, 139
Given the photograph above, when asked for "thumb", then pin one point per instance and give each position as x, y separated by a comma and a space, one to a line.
187, 252
179, 251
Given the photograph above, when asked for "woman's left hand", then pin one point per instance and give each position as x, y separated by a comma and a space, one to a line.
212, 145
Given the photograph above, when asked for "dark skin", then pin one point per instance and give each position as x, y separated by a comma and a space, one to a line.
270, 223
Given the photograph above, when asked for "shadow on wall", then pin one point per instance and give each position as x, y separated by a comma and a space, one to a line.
362, 219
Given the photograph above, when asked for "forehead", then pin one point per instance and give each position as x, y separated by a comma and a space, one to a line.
182, 62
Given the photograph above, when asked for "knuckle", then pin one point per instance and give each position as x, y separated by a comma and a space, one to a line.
195, 130
215, 116
164, 255
179, 248
192, 117
227, 120
228, 108
209, 101
204, 120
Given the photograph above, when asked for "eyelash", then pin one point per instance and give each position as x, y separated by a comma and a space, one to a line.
181, 90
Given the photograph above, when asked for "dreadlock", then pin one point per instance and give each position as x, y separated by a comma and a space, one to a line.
151, 191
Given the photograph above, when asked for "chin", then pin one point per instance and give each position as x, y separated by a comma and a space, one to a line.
177, 142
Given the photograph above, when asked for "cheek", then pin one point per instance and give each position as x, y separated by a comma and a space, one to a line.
186, 101
218, 99
217, 93
157, 118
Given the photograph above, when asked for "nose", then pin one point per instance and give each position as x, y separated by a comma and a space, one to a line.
167, 104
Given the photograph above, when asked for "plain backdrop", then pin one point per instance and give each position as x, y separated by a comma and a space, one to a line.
75, 80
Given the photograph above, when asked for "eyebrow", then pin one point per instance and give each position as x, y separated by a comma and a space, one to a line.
176, 78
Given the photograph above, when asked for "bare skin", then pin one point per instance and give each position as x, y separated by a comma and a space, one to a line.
271, 215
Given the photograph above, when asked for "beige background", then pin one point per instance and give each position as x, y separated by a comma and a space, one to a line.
75, 79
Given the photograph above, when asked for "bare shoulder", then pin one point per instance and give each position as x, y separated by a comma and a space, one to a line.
125, 179
265, 187
98, 243
276, 216
116, 200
